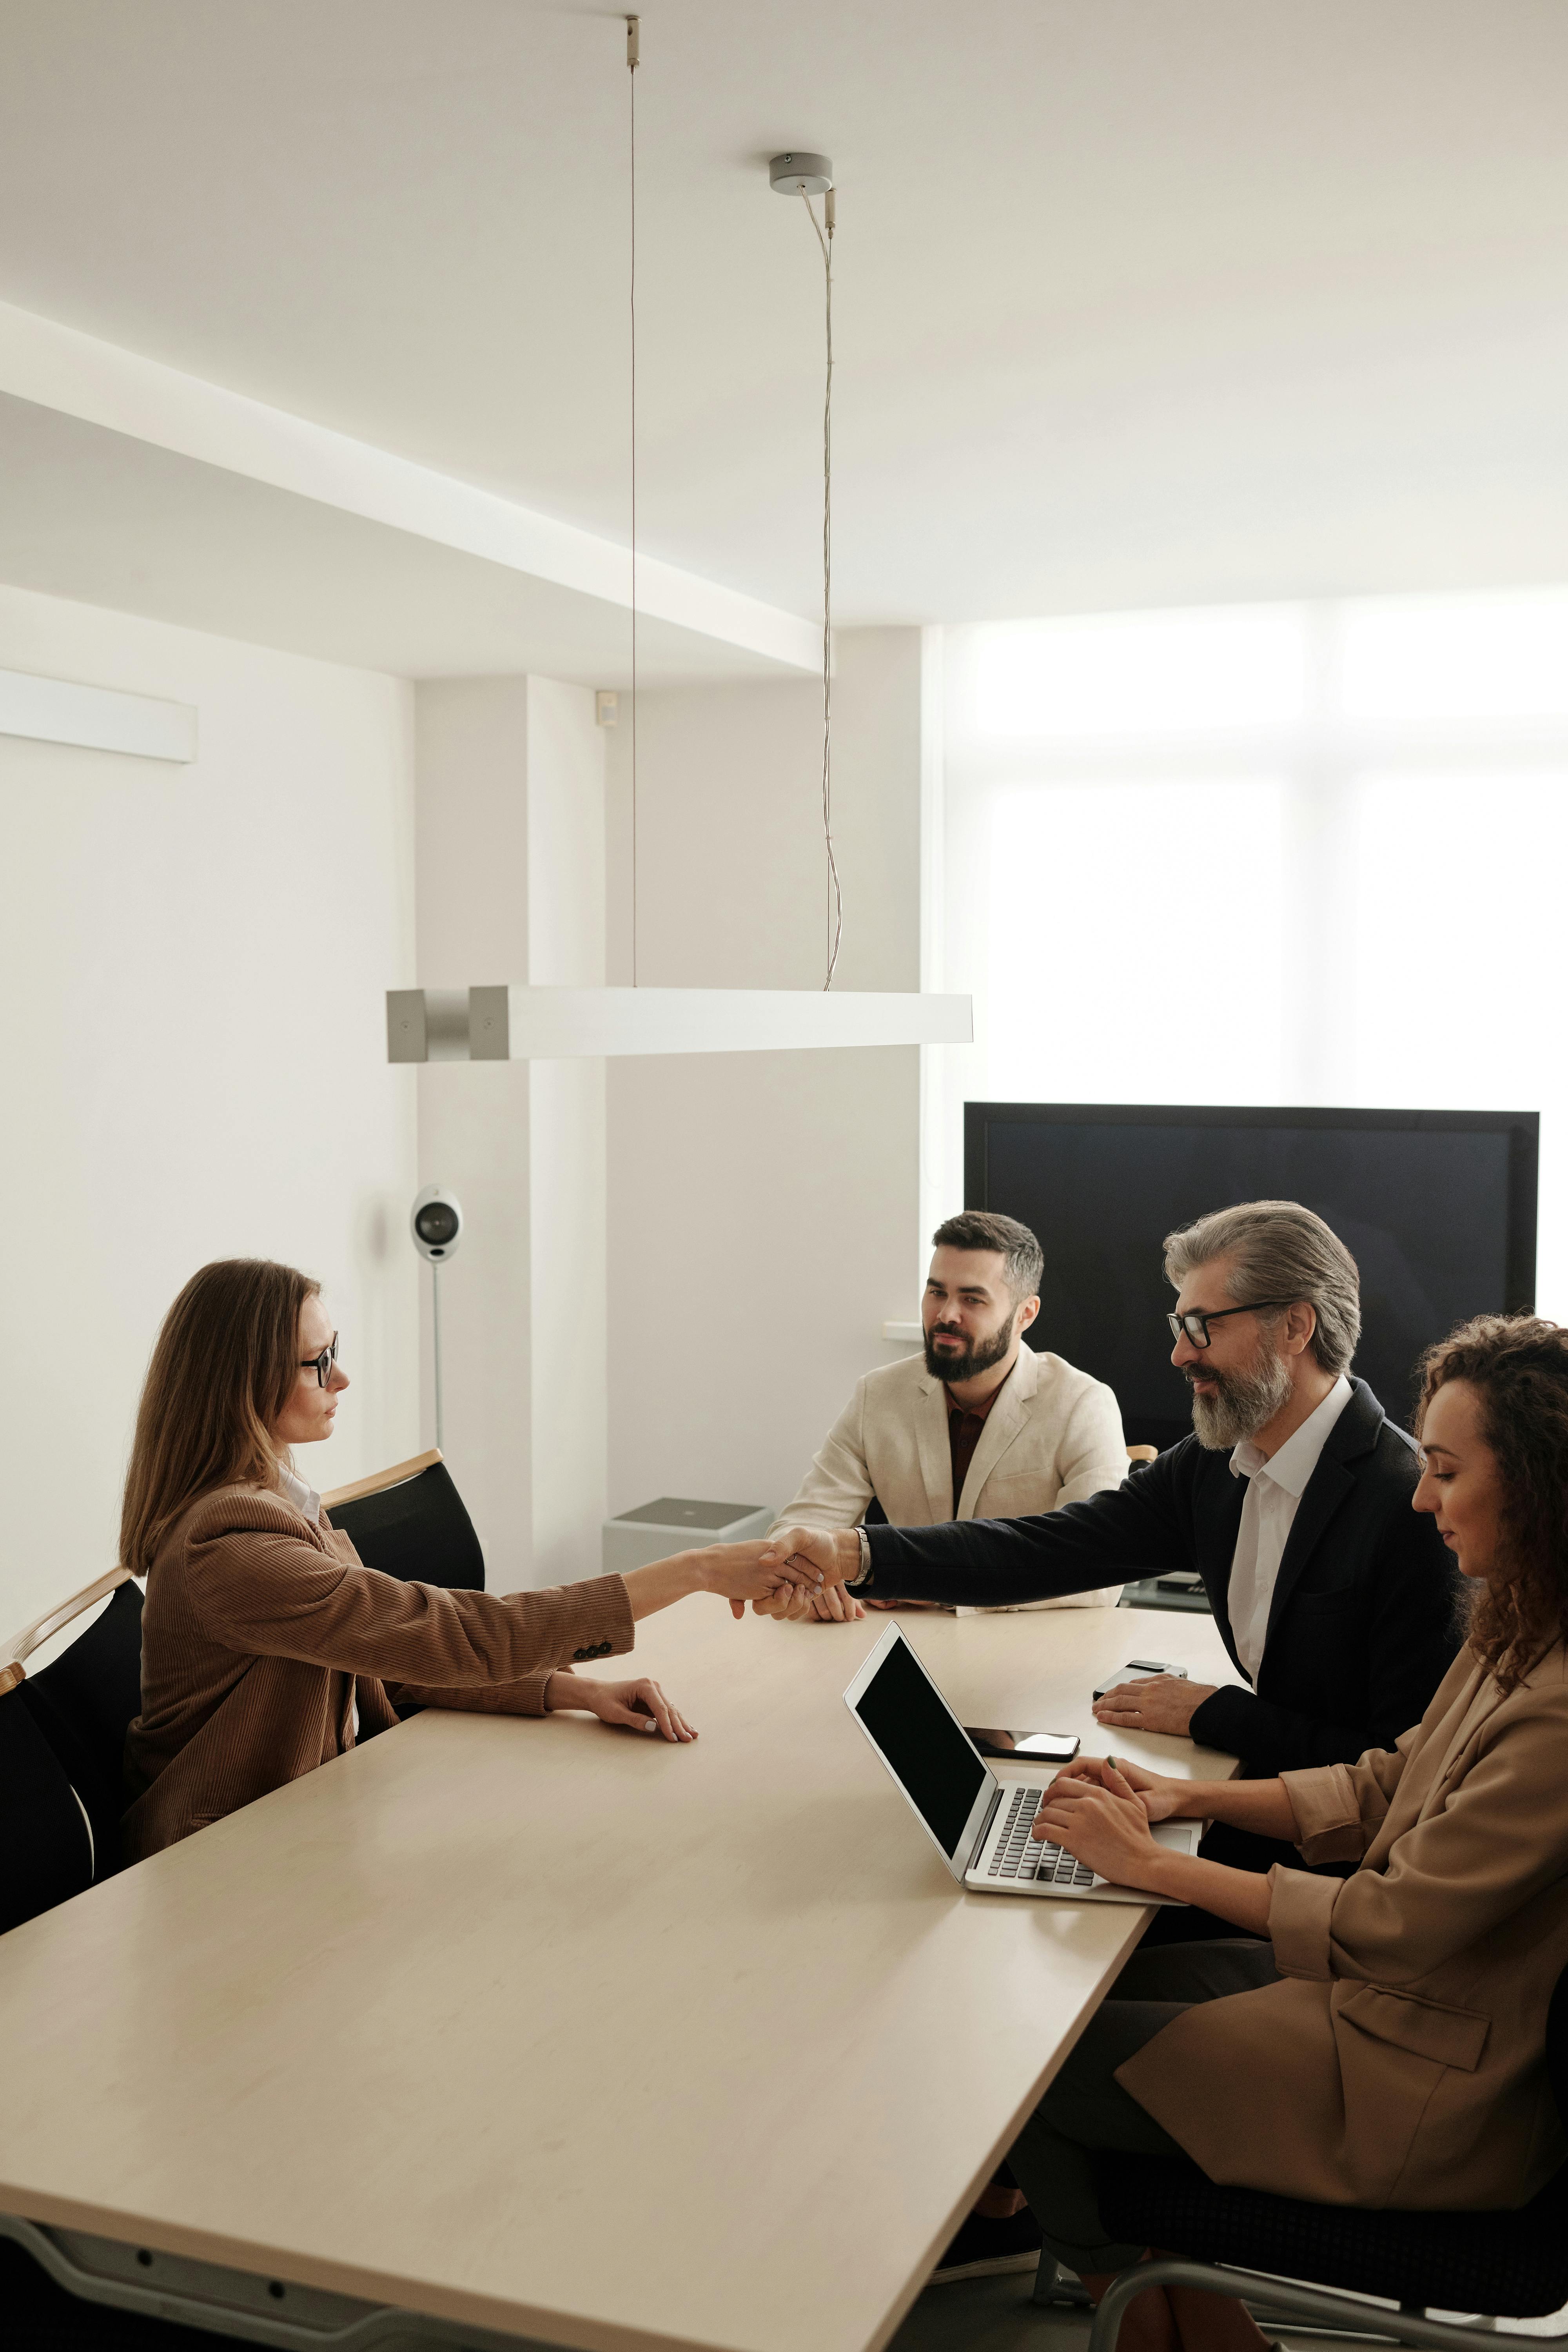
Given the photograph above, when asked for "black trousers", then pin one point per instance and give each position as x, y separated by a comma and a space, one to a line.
1085, 2112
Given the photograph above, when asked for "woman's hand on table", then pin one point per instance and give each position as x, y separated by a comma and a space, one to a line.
639, 1706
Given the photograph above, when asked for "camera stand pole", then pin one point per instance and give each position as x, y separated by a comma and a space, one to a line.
436, 1329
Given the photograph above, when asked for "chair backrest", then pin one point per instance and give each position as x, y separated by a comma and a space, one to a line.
15, 1654
84, 1704
409, 1522
1136, 1454
1557, 2047
80, 1708
46, 1840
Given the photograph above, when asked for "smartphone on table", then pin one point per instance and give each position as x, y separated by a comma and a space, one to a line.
1140, 1669
1024, 1747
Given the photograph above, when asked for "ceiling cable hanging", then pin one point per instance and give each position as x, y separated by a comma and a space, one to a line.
836, 897
633, 58
797, 174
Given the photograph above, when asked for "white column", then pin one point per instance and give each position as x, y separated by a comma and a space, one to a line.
510, 885
566, 1139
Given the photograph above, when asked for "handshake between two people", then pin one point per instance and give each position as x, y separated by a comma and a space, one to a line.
799, 1572
824, 1560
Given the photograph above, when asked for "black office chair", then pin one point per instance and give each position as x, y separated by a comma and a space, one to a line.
409, 1522
1505, 2266
62, 1736
84, 1705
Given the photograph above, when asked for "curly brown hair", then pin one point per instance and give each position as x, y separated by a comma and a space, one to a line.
1518, 1366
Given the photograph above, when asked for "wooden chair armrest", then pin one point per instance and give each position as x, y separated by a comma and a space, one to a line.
379, 1480
15, 1654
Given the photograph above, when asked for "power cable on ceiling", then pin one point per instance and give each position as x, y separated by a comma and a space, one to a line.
633, 58
825, 228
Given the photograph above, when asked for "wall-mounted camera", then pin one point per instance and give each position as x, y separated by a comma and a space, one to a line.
436, 1224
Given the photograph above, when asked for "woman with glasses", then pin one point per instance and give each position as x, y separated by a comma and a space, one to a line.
1384, 2046
267, 1644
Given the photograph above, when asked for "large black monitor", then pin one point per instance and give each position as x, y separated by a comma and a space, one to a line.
1438, 1207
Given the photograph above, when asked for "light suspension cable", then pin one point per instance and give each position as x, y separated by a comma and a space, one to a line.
633, 58
825, 228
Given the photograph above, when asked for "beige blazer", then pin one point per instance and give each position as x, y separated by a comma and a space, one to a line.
262, 1634
1401, 2062
1053, 1435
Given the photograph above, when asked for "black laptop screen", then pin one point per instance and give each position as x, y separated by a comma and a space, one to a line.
940, 1770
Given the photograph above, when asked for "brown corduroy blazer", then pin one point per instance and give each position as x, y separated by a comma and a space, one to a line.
262, 1632
1401, 2062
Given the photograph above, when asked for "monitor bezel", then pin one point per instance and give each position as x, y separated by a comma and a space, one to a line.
1522, 1128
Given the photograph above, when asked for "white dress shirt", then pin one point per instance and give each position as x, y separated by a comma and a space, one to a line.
306, 1500
1275, 1486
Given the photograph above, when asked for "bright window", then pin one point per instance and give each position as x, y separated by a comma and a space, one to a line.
1297, 854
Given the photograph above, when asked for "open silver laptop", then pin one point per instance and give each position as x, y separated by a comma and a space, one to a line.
979, 1824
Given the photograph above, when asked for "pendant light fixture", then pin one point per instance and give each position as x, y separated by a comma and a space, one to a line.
495, 1023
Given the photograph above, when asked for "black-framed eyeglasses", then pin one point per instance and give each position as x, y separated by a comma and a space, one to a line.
1195, 1327
325, 1363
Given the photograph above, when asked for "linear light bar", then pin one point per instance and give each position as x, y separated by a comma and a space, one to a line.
546, 1024
58, 710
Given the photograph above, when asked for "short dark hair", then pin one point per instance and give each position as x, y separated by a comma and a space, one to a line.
980, 1229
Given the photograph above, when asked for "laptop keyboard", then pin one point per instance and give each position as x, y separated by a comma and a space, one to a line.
1015, 1854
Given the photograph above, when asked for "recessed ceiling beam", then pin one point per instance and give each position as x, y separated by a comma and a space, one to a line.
98, 382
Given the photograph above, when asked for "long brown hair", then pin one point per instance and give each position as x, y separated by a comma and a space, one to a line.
220, 1375
1518, 1366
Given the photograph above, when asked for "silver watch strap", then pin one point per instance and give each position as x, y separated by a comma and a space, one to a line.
854, 1584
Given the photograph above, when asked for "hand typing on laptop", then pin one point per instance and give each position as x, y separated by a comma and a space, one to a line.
1101, 1813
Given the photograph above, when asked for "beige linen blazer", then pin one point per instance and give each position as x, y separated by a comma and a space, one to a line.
1401, 2060
262, 1634
1053, 1435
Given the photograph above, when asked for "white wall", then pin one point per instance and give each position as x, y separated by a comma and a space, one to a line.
512, 888
192, 961
763, 1207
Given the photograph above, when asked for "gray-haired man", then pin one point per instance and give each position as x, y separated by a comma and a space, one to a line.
1292, 1499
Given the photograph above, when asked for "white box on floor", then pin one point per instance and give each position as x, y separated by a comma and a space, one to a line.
676, 1523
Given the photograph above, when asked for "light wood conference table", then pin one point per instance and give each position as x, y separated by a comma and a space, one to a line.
570, 2033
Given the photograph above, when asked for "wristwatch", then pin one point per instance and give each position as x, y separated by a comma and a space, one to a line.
859, 1583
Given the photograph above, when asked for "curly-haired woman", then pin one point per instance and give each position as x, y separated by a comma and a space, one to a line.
266, 1643
1386, 2047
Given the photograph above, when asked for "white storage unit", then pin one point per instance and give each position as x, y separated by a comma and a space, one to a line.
676, 1523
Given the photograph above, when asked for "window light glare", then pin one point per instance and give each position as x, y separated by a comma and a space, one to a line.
1144, 673
1493, 656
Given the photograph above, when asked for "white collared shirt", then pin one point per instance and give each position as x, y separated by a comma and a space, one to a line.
304, 1498
1275, 1484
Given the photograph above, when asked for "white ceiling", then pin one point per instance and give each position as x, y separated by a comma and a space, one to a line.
1138, 302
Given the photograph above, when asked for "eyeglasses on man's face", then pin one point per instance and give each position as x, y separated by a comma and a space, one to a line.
325, 1364
1195, 1327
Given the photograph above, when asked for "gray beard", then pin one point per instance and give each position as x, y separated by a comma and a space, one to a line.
1246, 1403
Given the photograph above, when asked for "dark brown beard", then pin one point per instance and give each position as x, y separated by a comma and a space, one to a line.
977, 1358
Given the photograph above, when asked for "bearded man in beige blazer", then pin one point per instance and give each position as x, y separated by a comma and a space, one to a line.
978, 1427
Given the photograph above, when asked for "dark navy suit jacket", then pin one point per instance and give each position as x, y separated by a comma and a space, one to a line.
1364, 1619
